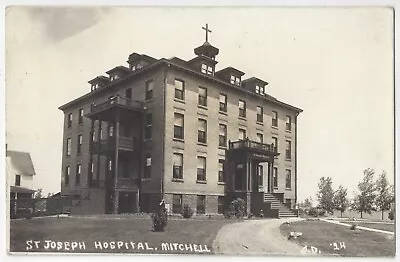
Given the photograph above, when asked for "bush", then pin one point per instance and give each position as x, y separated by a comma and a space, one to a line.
237, 208
313, 212
392, 214
159, 220
187, 211
353, 227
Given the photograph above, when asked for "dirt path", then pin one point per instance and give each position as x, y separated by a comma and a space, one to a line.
255, 237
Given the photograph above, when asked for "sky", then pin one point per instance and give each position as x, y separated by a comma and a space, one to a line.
334, 63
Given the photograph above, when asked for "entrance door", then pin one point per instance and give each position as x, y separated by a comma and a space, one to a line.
265, 176
127, 202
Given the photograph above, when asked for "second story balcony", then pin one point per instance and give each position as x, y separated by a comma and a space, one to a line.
259, 148
124, 143
108, 109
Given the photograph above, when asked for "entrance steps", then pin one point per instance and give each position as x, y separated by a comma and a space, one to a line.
277, 204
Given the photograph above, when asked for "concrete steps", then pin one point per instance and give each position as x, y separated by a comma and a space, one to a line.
277, 204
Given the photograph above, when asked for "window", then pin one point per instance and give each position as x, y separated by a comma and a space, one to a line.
201, 168
288, 149
128, 93
288, 179
260, 114
260, 175
149, 90
69, 120
260, 137
178, 126
201, 204
149, 122
67, 172
179, 89
110, 130
80, 119
275, 143
223, 103
94, 135
206, 69
288, 123
274, 118
147, 166
260, 90
178, 166
242, 108
235, 80
78, 174
202, 96
221, 170
202, 131
222, 135
176, 204
275, 177
110, 165
93, 87
80, 140
17, 180
68, 146
242, 134
221, 202
101, 132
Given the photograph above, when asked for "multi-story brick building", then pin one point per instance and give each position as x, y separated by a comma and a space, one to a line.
179, 131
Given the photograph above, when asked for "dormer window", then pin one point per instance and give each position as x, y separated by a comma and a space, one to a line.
235, 80
206, 69
260, 90
114, 77
94, 87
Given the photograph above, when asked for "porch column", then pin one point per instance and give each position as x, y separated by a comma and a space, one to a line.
90, 173
137, 201
271, 181
269, 177
116, 164
98, 154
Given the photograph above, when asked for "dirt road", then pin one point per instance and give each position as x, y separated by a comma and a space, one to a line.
255, 237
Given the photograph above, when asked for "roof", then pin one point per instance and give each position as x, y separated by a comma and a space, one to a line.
97, 78
230, 69
185, 67
254, 79
120, 69
20, 189
21, 162
136, 56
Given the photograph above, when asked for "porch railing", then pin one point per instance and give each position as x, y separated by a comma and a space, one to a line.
247, 143
116, 100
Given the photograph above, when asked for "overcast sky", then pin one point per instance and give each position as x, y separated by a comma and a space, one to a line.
334, 63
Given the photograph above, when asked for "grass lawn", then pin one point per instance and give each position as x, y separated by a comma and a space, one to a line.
125, 230
323, 235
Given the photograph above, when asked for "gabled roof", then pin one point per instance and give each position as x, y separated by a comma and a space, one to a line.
21, 162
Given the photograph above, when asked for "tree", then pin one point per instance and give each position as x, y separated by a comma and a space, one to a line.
384, 193
340, 200
307, 204
38, 193
325, 194
365, 200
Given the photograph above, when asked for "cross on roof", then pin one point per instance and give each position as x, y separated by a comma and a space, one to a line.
207, 30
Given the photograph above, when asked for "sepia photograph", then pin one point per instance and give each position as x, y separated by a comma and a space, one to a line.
257, 131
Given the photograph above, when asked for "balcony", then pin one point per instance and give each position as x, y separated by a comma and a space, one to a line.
124, 143
127, 183
258, 149
114, 104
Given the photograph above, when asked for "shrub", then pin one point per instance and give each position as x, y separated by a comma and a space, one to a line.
353, 227
313, 212
238, 206
159, 220
321, 212
187, 211
392, 214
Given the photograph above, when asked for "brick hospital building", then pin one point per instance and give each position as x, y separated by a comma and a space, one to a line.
182, 131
